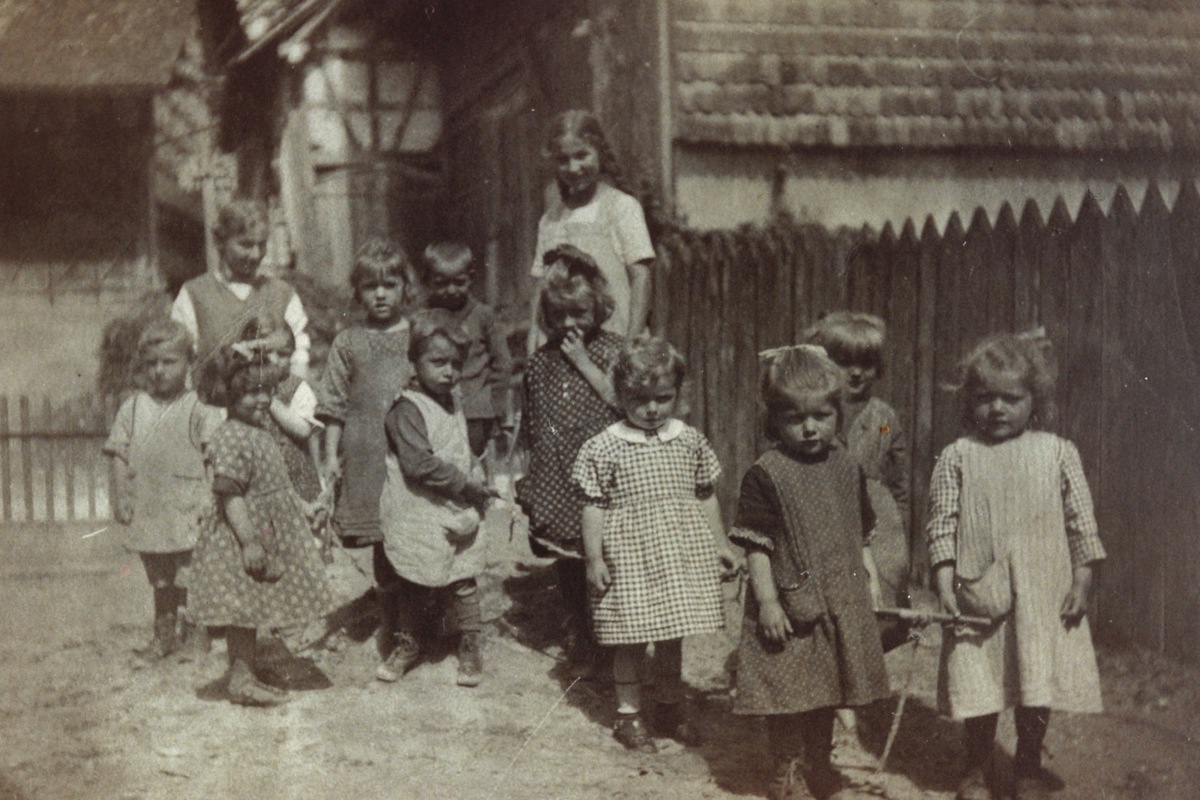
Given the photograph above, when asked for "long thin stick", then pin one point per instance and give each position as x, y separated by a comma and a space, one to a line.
926, 617
895, 729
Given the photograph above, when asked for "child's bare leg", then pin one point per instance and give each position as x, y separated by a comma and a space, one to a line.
470, 626
244, 688
160, 571
627, 677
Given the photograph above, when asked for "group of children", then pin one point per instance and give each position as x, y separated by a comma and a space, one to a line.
620, 493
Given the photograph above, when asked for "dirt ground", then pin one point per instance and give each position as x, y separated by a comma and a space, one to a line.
80, 717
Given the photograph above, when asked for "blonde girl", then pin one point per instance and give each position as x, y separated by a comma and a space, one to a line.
588, 210
1013, 537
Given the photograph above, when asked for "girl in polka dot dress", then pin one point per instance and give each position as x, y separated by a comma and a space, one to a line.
809, 639
653, 538
568, 399
255, 564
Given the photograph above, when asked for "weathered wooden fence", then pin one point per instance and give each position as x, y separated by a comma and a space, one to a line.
1119, 294
51, 468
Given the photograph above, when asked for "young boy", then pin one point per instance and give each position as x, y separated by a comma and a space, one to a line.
157, 474
446, 270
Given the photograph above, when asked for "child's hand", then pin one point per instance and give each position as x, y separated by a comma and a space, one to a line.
773, 622
598, 576
1075, 604
331, 473
572, 347
876, 592
729, 562
254, 560
944, 581
478, 495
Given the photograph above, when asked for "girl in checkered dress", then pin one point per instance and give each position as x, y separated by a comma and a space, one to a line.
652, 536
1012, 537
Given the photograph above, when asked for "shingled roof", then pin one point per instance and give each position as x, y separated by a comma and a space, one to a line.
1082, 75
91, 44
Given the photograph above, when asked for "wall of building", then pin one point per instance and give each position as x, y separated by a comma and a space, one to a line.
723, 187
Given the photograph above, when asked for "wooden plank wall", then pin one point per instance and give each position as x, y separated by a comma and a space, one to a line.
1118, 293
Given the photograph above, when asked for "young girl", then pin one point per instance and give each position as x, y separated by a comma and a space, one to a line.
568, 399
1012, 537
293, 404
366, 370
432, 500
653, 537
256, 564
591, 212
157, 474
446, 270
809, 640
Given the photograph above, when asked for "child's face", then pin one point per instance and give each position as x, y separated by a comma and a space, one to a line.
438, 367
381, 297
243, 253
653, 406
860, 378
1001, 406
166, 372
576, 318
808, 427
447, 284
253, 407
576, 166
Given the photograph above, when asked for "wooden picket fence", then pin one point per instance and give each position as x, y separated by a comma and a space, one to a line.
1119, 295
51, 467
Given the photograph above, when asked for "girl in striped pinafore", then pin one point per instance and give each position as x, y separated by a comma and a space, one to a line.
1012, 537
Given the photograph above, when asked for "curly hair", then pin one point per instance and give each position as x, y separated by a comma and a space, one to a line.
166, 333
1030, 356
796, 375
850, 337
586, 126
642, 364
573, 280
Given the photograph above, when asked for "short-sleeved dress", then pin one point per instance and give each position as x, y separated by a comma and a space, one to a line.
162, 444
246, 461
876, 441
1024, 502
819, 504
303, 473
562, 411
366, 371
657, 543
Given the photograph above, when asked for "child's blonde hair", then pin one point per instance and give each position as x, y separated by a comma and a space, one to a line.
238, 217
1028, 355
166, 333
850, 337
430, 323
379, 258
443, 254
643, 362
573, 279
794, 375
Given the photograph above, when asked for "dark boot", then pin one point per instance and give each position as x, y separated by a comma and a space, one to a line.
194, 641
631, 732
165, 640
1031, 781
670, 721
470, 658
980, 737
816, 730
787, 780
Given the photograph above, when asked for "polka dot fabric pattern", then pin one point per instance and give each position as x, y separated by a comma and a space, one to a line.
562, 411
222, 593
657, 543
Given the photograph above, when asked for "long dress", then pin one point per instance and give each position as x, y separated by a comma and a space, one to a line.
562, 411
366, 371
245, 461
820, 505
1023, 502
657, 543
161, 443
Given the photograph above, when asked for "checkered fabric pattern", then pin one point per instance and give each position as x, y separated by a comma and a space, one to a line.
1083, 534
657, 543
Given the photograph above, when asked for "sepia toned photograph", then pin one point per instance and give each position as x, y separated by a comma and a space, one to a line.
347, 348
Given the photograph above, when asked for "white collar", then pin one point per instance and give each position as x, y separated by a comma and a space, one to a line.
623, 430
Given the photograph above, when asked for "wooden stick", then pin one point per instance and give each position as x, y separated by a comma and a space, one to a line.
926, 617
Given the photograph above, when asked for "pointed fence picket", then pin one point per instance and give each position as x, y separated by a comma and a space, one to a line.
1118, 293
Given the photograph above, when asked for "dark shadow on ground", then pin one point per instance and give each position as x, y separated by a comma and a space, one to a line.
928, 747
